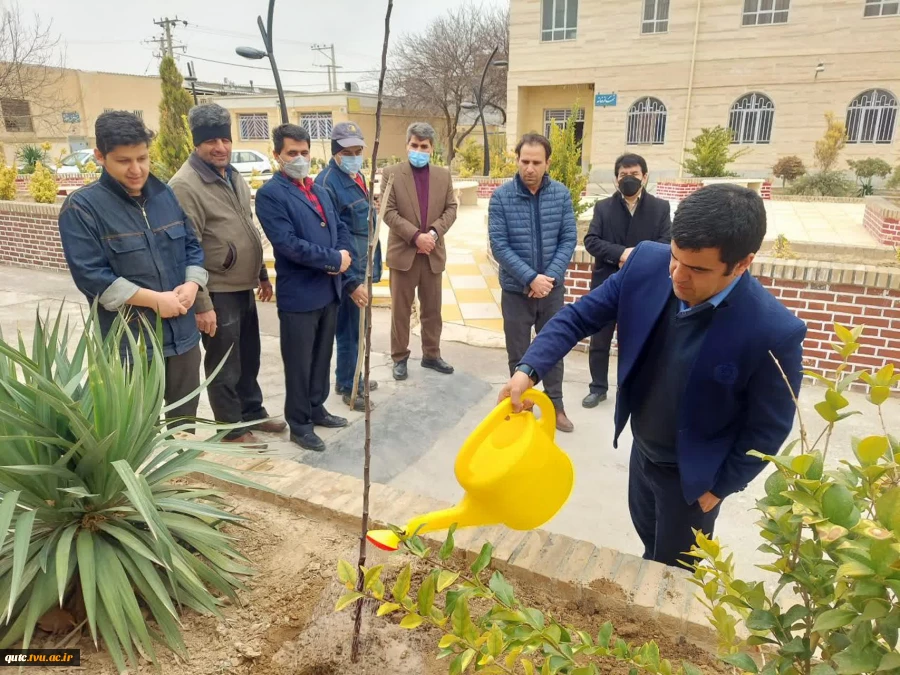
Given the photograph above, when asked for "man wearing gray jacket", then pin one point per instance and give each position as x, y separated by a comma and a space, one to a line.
217, 200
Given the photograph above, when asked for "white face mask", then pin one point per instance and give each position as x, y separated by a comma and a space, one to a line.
298, 168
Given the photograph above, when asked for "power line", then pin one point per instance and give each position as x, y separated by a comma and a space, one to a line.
167, 25
287, 70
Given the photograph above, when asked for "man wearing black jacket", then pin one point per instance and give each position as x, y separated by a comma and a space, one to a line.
620, 223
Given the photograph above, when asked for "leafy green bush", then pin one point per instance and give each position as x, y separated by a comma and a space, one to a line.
502, 633
86, 487
471, 157
830, 145
711, 153
867, 169
822, 184
832, 532
30, 156
893, 183
566, 165
7, 178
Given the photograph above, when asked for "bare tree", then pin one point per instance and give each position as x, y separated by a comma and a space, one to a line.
437, 71
31, 71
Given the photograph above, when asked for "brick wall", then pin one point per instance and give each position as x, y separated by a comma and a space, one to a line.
882, 220
69, 179
29, 236
676, 190
486, 186
821, 294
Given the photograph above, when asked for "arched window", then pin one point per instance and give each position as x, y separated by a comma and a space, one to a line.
647, 122
751, 119
871, 117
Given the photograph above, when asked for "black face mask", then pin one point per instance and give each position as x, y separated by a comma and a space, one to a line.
629, 185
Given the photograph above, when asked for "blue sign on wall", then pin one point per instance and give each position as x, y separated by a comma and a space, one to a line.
605, 100
71, 117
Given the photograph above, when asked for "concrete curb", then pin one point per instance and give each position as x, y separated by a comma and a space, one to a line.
575, 570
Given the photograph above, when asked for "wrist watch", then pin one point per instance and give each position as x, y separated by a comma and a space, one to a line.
434, 234
529, 371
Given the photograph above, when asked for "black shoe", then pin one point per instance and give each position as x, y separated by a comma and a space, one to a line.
400, 370
373, 385
360, 405
330, 421
593, 399
439, 365
309, 441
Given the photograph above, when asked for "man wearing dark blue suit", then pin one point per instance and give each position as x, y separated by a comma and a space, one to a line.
311, 246
697, 337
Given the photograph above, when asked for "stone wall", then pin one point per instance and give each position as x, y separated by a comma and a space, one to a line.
29, 236
821, 294
882, 220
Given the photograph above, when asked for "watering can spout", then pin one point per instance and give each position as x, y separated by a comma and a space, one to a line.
465, 514
512, 471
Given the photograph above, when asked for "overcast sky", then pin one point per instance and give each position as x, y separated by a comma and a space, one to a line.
109, 35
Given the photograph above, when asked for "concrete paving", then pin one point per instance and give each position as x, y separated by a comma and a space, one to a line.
418, 425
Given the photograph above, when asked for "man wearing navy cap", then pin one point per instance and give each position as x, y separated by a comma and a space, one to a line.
344, 182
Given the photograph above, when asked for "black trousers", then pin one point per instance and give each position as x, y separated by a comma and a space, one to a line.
235, 395
307, 344
182, 379
520, 314
660, 514
598, 358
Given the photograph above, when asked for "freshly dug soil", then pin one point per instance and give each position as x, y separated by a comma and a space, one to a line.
286, 624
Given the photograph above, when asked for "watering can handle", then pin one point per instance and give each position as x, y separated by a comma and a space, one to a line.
504, 408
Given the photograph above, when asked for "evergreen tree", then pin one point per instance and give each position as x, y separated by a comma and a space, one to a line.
172, 145
566, 165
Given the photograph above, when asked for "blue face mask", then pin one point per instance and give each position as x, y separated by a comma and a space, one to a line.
419, 159
351, 164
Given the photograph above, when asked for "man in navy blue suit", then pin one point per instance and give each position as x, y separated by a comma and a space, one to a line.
697, 377
312, 251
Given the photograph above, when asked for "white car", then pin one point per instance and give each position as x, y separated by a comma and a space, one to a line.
245, 161
72, 163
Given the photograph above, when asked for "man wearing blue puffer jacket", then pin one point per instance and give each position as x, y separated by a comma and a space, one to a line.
533, 235
343, 180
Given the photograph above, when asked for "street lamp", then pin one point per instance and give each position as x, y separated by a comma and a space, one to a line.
253, 53
479, 105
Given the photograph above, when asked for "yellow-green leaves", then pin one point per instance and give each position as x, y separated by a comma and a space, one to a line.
347, 599
411, 621
871, 449
401, 585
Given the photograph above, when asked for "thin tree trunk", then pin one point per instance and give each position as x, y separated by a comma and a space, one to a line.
357, 622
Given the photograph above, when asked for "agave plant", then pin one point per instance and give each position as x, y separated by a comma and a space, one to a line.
29, 156
90, 513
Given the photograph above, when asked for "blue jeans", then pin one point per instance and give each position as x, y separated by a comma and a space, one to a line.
347, 344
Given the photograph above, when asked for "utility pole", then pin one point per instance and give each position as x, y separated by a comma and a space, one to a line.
192, 78
328, 52
167, 24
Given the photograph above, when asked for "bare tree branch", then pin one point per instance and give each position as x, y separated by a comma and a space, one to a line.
436, 71
32, 59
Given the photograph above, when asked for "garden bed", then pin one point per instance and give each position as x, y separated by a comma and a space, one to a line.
286, 624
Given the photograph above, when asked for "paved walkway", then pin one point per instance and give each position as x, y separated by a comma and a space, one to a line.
418, 425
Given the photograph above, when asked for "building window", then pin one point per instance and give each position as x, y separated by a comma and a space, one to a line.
656, 16
254, 127
871, 117
318, 125
16, 115
751, 119
882, 8
764, 12
139, 114
562, 116
647, 122
560, 20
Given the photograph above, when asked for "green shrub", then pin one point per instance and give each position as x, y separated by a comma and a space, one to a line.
711, 153
822, 184
566, 165
866, 170
471, 157
832, 533
30, 156
485, 627
87, 494
7, 178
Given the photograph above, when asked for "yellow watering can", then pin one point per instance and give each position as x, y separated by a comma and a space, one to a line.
512, 471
